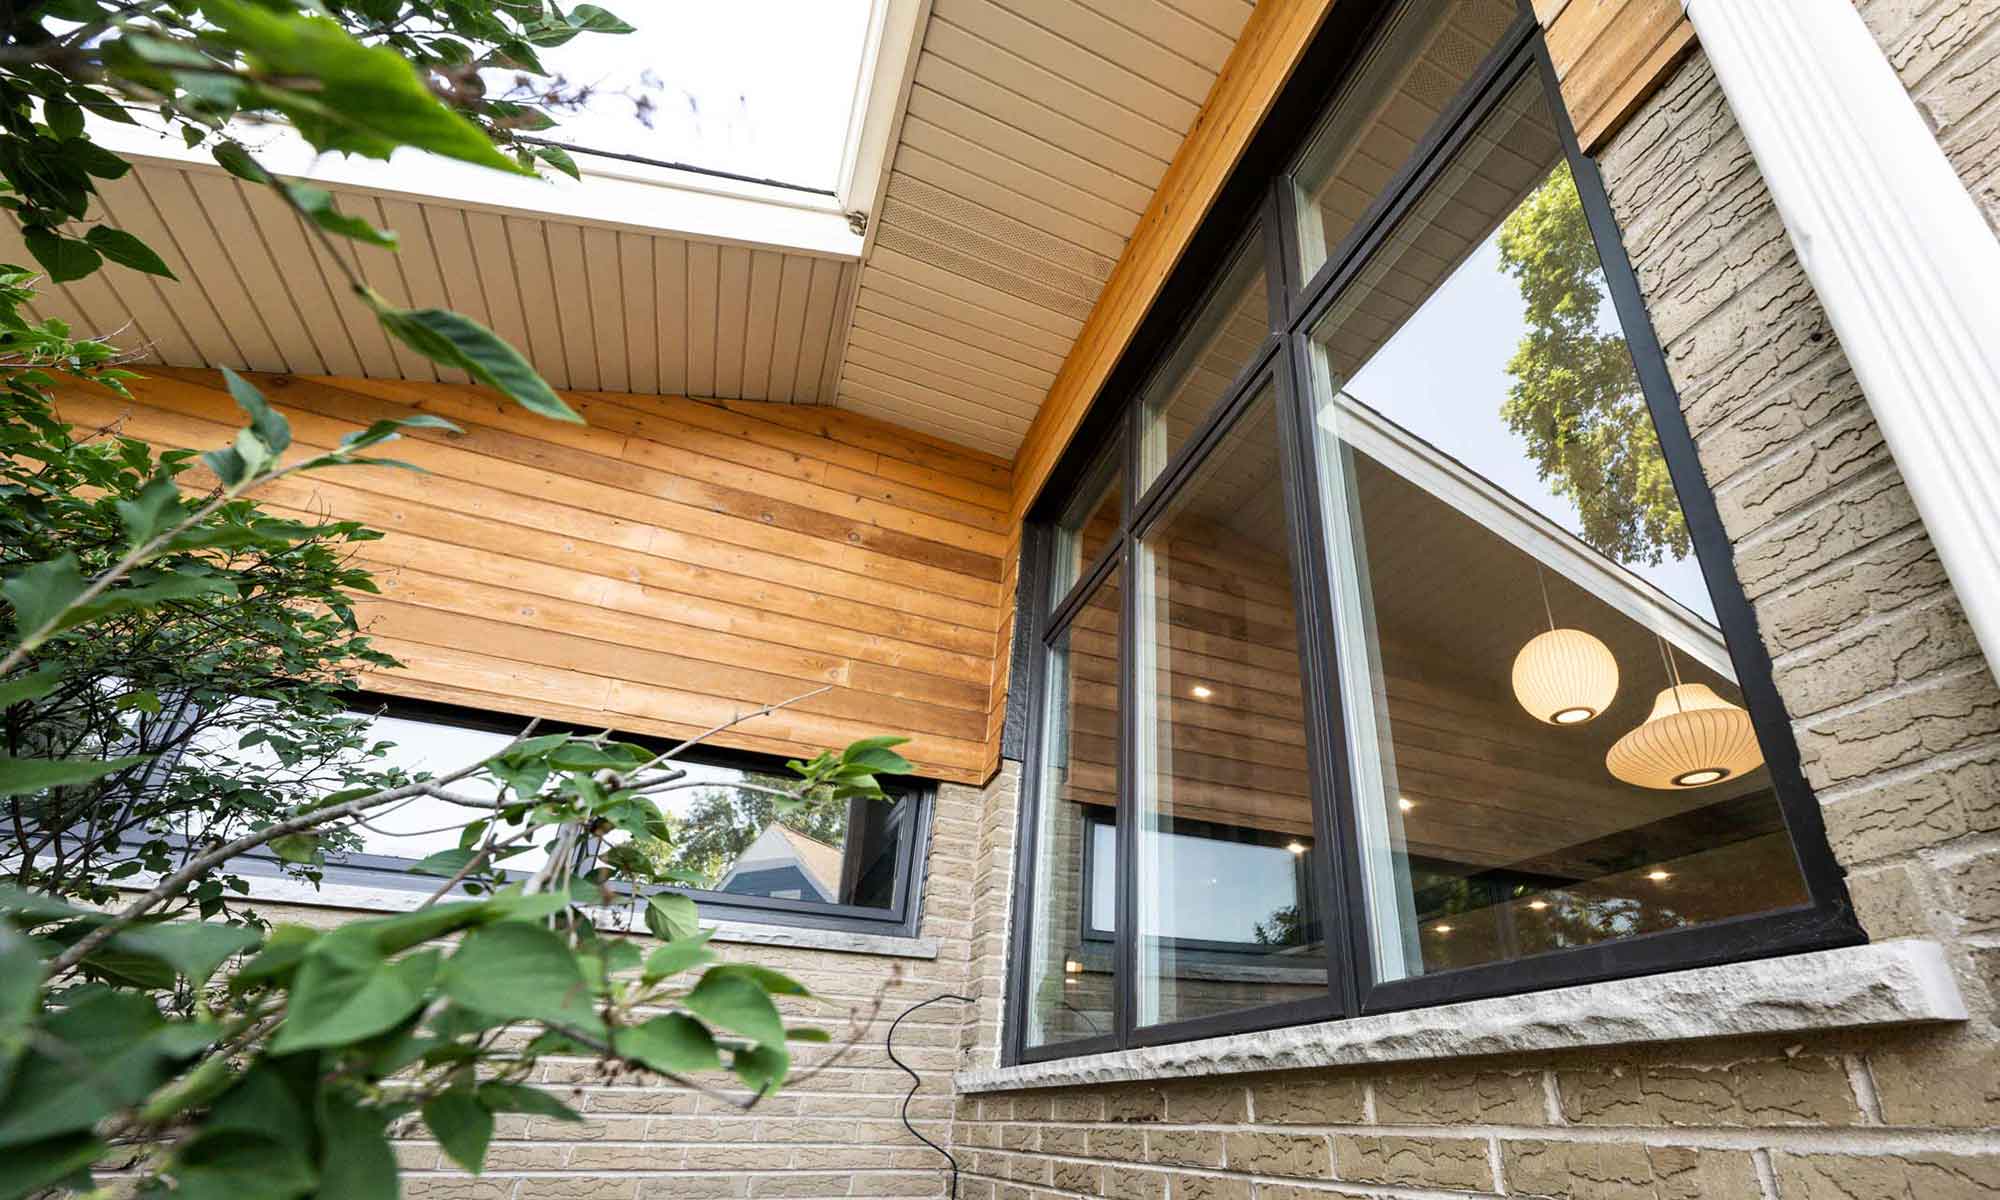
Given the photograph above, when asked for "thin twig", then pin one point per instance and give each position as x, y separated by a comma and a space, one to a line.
196, 866
731, 723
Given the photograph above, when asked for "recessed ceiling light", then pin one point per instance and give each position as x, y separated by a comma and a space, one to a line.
1538, 905
1440, 929
1296, 847
1658, 876
1405, 803
1201, 691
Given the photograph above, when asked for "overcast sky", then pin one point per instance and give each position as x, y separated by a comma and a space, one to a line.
757, 87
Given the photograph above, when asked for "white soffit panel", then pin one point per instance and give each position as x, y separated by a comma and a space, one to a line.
1034, 135
594, 305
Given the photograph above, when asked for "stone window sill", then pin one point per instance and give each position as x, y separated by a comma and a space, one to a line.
1887, 983
361, 898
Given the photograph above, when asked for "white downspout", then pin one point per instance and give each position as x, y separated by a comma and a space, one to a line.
1899, 254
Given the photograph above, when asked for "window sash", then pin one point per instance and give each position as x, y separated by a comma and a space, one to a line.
1297, 305
901, 917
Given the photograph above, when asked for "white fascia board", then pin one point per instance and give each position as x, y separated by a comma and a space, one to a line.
742, 214
888, 70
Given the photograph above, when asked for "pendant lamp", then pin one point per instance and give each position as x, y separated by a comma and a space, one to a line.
1564, 676
1694, 738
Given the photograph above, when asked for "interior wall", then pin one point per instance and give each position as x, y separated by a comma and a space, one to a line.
660, 569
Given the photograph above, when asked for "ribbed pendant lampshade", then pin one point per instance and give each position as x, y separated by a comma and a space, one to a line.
1694, 738
1565, 677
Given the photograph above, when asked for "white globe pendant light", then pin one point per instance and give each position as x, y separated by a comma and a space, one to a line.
1565, 677
1694, 739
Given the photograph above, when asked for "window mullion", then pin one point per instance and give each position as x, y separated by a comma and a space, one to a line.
1336, 844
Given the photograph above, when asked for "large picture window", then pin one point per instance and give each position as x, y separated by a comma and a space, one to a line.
1429, 677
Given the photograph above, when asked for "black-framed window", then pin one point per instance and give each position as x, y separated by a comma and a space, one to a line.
855, 868
1416, 584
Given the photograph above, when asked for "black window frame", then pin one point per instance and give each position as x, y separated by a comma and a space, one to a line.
901, 918
1258, 201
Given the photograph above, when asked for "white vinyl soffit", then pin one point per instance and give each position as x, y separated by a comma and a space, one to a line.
777, 90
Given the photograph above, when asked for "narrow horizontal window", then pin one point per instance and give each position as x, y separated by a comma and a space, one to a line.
825, 866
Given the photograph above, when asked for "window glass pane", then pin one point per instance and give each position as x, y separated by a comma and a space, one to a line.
731, 836
1226, 827
1427, 52
1222, 340
1069, 965
1549, 747
1089, 523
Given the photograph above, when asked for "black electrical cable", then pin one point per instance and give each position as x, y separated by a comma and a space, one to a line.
917, 1081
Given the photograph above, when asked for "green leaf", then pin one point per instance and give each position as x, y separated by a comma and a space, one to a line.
345, 992
26, 776
36, 908
392, 935
241, 1167
317, 203
237, 161
519, 1098
194, 948
775, 982
156, 509
20, 996
558, 158
296, 847
30, 685
675, 957
762, 1067
40, 593
462, 1125
96, 1056
807, 1033
444, 864
588, 18
64, 258
31, 1169
671, 916
458, 341
127, 251
361, 99
735, 1002
356, 1162
64, 117
674, 1044
269, 428
523, 972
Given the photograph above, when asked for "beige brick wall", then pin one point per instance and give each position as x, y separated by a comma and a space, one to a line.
837, 1134
1898, 722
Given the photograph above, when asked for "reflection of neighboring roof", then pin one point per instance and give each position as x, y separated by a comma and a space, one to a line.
816, 858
